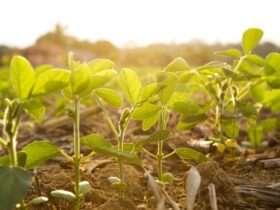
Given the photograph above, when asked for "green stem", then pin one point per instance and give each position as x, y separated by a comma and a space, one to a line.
3, 144
160, 158
218, 121
77, 152
169, 154
160, 154
149, 153
23, 206
120, 148
12, 149
241, 59
12, 137
12, 144
107, 116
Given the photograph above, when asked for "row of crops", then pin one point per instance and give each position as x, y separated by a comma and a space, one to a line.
230, 97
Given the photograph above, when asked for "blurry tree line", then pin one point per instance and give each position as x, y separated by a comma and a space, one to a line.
53, 47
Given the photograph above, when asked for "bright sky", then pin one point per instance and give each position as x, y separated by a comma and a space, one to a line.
142, 21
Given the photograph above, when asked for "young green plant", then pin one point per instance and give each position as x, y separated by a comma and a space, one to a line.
131, 86
28, 86
155, 110
84, 78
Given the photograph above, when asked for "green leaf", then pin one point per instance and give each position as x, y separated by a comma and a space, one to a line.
259, 91
100, 145
150, 122
273, 62
80, 80
185, 125
269, 124
178, 64
96, 142
190, 154
187, 76
234, 53
50, 80
101, 78
147, 110
230, 128
167, 84
154, 138
4, 160
194, 118
35, 108
186, 107
41, 68
148, 91
251, 37
167, 178
255, 59
98, 65
38, 152
255, 134
272, 100
247, 109
110, 96
130, 84
14, 184
274, 80
22, 76
189, 121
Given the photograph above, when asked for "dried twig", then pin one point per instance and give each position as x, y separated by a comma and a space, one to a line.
170, 200
270, 163
212, 196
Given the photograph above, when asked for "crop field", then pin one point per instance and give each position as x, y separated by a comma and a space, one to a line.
99, 135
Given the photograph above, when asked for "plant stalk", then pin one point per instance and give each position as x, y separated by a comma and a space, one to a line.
107, 116
160, 153
12, 144
120, 148
77, 152
12, 149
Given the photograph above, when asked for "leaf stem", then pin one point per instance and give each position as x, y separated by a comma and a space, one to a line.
149, 153
169, 154
107, 116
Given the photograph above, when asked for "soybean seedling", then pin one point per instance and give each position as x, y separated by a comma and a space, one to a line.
131, 85
231, 89
155, 110
28, 86
84, 78
226, 89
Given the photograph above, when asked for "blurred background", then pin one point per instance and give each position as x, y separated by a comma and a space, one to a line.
134, 33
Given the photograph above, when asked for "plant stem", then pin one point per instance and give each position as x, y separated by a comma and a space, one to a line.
218, 121
12, 143
160, 158
160, 154
11, 134
12, 149
107, 116
77, 153
169, 154
120, 148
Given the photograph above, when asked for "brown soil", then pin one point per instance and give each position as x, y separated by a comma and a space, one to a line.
226, 173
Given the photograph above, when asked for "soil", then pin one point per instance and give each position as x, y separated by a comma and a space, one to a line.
227, 173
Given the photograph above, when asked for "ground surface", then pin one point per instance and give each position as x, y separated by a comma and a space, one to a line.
227, 173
